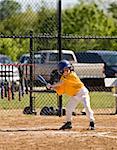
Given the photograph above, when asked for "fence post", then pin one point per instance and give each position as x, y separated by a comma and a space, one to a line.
59, 48
32, 111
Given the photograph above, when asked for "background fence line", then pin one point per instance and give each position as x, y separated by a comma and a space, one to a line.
25, 31
34, 96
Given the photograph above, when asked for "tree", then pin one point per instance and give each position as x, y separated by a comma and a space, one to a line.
8, 8
21, 23
46, 24
113, 9
18, 24
87, 19
47, 21
14, 48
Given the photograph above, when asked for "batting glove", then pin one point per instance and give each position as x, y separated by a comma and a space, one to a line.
49, 86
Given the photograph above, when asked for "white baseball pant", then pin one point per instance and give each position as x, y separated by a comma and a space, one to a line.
81, 96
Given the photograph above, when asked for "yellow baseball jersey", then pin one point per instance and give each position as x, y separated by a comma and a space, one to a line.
71, 85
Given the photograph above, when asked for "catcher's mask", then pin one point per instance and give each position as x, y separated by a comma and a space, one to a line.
62, 65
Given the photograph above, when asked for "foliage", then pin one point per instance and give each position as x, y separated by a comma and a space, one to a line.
20, 23
87, 19
82, 19
46, 25
14, 48
47, 21
113, 9
8, 8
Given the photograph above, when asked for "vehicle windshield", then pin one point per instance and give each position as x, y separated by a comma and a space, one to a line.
110, 59
37, 59
55, 57
26, 59
5, 60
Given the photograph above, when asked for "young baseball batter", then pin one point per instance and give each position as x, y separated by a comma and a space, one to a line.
71, 85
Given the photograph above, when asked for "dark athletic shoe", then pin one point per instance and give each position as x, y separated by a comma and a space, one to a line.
92, 125
67, 125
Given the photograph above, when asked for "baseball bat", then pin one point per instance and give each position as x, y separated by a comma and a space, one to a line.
12, 90
12, 86
5, 84
2, 89
42, 80
9, 91
26, 85
9, 84
20, 91
26, 80
2, 83
22, 81
21, 88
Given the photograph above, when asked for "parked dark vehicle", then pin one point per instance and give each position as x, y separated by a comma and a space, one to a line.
5, 59
88, 57
110, 60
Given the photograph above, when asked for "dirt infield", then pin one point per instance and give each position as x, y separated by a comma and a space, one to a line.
28, 132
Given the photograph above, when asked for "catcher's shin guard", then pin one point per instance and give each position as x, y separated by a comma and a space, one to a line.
67, 125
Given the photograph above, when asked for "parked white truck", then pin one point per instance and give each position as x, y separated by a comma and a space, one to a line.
45, 64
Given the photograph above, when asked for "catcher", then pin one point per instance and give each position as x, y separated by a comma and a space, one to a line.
71, 85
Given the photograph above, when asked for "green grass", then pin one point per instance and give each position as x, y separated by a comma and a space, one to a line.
102, 100
14, 104
98, 100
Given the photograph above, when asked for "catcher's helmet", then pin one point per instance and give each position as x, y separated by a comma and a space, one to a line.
47, 111
62, 65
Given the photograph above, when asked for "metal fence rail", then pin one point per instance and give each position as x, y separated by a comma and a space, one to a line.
102, 99
48, 32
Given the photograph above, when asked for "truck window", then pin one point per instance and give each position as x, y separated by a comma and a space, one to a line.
110, 59
42, 57
37, 59
55, 57
68, 57
85, 57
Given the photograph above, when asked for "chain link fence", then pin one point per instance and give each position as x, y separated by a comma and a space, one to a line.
102, 99
28, 59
